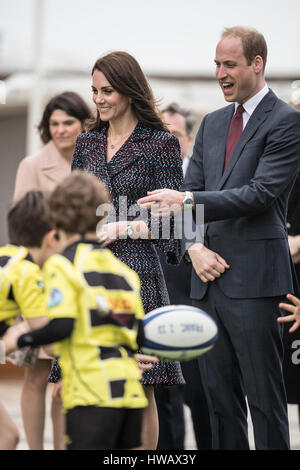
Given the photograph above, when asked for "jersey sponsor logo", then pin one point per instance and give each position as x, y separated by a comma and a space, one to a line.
108, 303
56, 298
103, 307
123, 304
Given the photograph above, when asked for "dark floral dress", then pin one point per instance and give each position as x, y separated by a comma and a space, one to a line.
148, 160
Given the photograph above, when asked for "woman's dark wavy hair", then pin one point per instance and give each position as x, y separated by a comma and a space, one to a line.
125, 75
69, 102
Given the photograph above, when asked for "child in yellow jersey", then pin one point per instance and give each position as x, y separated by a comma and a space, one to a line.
95, 309
21, 285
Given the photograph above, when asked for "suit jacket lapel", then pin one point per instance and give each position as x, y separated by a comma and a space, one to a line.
222, 137
95, 160
132, 149
257, 118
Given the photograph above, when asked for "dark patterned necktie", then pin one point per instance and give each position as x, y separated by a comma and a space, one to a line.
235, 131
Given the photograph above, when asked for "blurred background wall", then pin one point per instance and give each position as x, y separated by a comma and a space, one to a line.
50, 46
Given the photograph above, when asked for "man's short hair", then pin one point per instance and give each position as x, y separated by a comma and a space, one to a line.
73, 203
190, 119
27, 220
253, 42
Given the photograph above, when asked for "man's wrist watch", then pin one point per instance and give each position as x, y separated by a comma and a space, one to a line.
188, 201
129, 230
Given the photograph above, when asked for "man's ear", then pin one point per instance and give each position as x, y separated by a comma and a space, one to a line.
258, 64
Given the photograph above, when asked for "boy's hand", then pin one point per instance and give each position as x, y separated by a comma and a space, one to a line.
294, 309
12, 335
142, 358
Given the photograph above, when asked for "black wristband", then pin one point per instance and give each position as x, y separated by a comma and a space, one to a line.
55, 330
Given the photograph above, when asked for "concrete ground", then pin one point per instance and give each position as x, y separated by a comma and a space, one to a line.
10, 391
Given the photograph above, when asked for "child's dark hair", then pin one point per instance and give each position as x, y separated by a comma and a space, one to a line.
27, 219
73, 203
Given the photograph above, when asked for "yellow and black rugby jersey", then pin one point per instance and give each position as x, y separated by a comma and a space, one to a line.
97, 360
21, 285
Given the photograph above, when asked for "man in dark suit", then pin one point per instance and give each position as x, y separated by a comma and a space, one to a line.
244, 164
170, 400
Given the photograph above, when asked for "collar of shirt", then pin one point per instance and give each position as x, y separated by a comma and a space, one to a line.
185, 164
250, 105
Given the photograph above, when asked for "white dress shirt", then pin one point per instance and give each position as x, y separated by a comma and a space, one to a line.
250, 105
185, 164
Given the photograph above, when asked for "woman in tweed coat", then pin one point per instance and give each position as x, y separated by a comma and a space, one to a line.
129, 148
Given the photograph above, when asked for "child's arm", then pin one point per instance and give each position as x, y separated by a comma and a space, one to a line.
37, 322
8, 342
294, 309
145, 362
56, 330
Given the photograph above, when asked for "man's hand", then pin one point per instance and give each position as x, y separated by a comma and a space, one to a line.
294, 309
163, 202
207, 264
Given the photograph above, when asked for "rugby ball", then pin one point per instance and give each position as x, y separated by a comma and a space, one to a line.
178, 332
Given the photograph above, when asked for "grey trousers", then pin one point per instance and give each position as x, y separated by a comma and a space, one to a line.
245, 361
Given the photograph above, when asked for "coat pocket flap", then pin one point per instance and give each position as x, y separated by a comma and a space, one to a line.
264, 232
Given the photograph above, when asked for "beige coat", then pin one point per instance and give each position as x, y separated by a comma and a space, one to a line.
41, 171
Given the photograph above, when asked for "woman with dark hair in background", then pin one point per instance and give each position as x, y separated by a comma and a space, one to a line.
63, 119
129, 148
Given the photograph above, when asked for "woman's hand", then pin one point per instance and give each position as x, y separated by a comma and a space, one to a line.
108, 233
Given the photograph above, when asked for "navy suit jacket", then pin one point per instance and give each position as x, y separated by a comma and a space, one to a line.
245, 207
